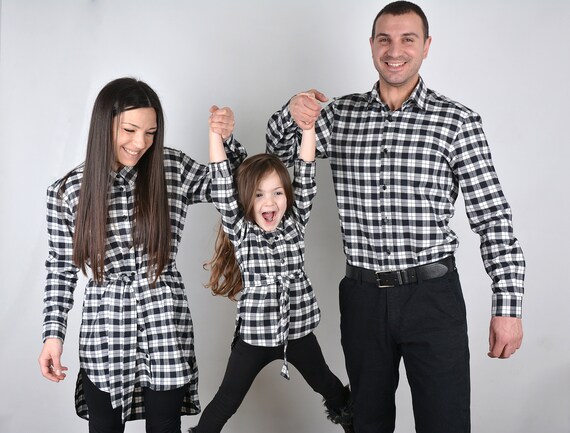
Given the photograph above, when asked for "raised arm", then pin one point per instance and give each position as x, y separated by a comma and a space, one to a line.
284, 127
222, 122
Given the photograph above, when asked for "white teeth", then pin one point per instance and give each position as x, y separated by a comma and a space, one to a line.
130, 152
395, 65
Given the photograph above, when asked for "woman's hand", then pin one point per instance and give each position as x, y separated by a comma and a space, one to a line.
50, 360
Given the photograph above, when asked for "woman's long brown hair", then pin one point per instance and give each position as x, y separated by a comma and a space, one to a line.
152, 228
225, 274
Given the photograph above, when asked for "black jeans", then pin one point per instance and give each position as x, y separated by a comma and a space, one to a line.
246, 361
422, 323
162, 409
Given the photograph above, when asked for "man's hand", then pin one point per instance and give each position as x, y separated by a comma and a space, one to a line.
305, 108
50, 360
222, 121
505, 336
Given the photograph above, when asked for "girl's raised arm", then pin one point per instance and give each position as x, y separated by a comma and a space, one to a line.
217, 151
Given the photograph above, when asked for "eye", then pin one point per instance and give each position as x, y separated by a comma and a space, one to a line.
128, 130
258, 195
278, 192
408, 40
151, 133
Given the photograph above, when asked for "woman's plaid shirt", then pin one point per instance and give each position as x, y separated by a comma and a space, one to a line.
397, 175
132, 335
277, 302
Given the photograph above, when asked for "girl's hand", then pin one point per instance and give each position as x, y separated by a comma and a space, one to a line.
50, 360
222, 121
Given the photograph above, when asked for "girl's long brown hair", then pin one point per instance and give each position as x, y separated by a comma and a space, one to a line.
152, 228
225, 274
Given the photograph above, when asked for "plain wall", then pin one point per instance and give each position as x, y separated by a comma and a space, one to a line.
506, 60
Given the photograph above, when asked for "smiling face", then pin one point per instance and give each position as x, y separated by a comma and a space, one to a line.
270, 202
398, 50
134, 135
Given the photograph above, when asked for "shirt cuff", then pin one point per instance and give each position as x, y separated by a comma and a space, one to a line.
305, 169
507, 304
220, 169
286, 117
53, 330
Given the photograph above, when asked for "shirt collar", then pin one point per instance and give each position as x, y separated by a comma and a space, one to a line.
129, 174
418, 97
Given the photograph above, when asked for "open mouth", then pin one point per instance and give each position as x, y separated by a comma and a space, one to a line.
268, 216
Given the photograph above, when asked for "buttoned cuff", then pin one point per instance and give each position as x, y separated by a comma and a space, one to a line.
220, 169
507, 304
53, 330
305, 170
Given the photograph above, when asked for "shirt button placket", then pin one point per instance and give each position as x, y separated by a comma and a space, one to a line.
386, 247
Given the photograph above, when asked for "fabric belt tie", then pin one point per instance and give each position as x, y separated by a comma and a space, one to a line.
405, 276
120, 312
283, 283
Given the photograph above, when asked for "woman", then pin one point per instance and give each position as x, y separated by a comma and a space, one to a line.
121, 213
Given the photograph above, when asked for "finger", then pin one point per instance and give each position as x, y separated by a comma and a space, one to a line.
319, 95
310, 103
213, 108
496, 350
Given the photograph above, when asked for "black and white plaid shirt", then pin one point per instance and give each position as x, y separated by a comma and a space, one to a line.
277, 302
132, 335
397, 175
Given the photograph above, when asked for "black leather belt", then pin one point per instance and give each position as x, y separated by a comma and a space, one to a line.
404, 276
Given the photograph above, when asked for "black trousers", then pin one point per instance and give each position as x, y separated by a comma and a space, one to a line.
246, 361
162, 410
422, 323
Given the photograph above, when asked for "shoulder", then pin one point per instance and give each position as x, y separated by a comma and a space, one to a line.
68, 186
437, 103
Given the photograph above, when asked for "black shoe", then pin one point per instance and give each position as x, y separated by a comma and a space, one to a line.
343, 416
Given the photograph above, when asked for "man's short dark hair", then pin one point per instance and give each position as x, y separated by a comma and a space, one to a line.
401, 8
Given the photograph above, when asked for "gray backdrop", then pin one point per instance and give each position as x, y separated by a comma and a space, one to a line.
506, 60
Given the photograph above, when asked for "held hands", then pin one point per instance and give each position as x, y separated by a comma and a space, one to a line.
505, 336
305, 108
50, 360
221, 121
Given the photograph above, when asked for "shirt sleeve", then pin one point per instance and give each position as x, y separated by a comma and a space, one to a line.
283, 136
61, 272
305, 189
490, 217
224, 198
195, 176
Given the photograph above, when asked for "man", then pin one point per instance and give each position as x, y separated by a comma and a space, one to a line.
399, 155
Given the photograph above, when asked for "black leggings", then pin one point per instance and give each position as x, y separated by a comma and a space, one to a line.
246, 361
162, 409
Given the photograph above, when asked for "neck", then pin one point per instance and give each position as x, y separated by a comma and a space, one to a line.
395, 96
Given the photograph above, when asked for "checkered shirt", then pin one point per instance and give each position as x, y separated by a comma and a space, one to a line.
132, 335
397, 175
277, 302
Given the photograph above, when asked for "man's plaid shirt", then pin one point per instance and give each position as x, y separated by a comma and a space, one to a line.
397, 175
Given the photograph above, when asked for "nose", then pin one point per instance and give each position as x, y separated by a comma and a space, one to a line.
139, 140
394, 49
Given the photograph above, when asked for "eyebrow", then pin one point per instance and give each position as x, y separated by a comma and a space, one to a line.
403, 35
137, 126
274, 189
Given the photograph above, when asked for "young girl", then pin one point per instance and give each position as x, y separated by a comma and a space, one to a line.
260, 254
121, 213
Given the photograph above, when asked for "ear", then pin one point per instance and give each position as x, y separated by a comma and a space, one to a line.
427, 44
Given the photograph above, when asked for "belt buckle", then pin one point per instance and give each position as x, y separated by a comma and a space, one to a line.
398, 282
379, 282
